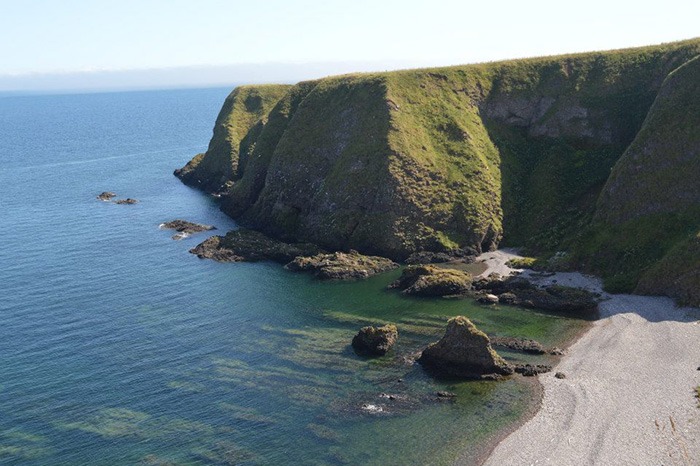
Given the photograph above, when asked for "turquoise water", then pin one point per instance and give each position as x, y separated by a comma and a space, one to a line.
119, 347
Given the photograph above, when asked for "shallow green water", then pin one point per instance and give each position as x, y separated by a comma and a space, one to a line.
119, 347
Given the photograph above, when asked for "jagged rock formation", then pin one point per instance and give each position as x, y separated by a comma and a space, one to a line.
464, 351
375, 341
462, 158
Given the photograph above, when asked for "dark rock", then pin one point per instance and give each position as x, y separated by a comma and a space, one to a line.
128, 200
555, 351
428, 280
555, 298
487, 298
507, 298
375, 341
560, 375
529, 370
106, 196
464, 351
251, 246
183, 226
341, 266
518, 344
443, 394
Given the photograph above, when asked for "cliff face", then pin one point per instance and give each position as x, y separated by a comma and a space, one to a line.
649, 209
243, 112
459, 157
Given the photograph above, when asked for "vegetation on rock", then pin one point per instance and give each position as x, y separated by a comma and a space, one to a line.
596, 154
464, 351
429, 280
341, 266
375, 341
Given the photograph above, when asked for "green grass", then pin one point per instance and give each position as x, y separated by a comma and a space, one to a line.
435, 159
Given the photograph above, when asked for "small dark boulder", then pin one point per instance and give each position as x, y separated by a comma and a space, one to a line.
375, 341
106, 196
432, 281
560, 375
464, 351
341, 266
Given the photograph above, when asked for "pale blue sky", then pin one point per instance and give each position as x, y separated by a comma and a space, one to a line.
77, 35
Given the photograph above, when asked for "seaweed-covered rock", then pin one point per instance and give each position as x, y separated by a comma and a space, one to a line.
251, 246
341, 266
519, 344
464, 351
375, 341
428, 280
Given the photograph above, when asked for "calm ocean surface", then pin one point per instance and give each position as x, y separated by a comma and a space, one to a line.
119, 347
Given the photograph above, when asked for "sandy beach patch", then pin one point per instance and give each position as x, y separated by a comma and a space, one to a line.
628, 396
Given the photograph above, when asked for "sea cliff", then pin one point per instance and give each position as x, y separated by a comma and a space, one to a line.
593, 154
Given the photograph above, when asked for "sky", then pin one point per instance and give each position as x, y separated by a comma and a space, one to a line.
69, 43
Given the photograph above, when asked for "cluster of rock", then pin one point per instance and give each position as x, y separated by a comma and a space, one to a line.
107, 196
520, 292
185, 228
463, 352
252, 246
341, 266
432, 281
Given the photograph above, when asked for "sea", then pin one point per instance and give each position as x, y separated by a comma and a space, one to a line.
119, 347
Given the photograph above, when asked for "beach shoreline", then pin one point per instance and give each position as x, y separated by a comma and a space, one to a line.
628, 395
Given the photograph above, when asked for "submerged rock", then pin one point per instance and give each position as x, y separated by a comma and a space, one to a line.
183, 226
106, 196
464, 351
251, 246
341, 266
428, 280
128, 200
375, 341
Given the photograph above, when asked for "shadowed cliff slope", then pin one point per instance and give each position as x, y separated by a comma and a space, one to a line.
649, 209
457, 158
243, 112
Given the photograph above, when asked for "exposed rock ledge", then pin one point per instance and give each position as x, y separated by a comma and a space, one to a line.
340, 265
185, 228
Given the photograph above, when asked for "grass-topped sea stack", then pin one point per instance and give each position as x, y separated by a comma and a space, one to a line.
595, 154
